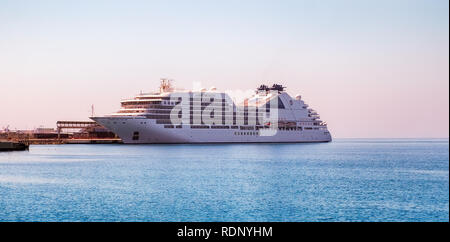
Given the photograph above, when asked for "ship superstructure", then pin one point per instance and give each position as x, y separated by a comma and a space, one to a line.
209, 116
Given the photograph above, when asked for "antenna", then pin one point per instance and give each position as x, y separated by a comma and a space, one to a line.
92, 110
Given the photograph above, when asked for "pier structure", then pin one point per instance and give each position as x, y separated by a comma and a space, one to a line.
60, 125
67, 132
89, 133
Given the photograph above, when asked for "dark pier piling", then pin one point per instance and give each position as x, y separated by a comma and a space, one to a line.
13, 146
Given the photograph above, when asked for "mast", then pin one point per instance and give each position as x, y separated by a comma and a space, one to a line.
165, 85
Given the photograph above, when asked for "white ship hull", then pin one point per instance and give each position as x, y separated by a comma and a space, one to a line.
148, 132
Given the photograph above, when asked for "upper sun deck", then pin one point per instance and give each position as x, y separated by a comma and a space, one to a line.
166, 96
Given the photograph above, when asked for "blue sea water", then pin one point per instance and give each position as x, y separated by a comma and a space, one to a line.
345, 180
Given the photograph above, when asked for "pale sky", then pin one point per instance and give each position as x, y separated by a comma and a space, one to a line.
372, 69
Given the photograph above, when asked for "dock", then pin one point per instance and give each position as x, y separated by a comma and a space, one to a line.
92, 141
74, 141
86, 132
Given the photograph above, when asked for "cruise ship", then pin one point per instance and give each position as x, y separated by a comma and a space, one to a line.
172, 115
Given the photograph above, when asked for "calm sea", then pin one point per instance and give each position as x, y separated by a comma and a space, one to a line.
345, 180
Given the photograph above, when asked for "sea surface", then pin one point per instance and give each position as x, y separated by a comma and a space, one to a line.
345, 180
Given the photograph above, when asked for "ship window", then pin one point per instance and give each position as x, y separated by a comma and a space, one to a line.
199, 127
280, 104
136, 135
